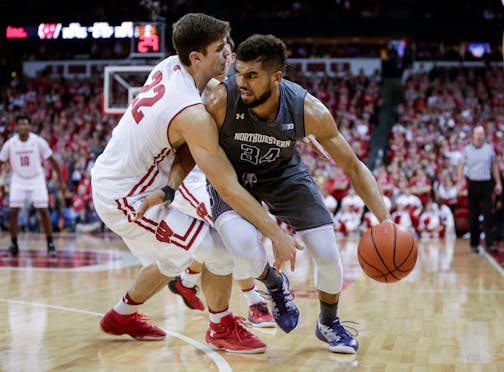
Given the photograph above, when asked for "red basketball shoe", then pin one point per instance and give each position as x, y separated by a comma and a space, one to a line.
189, 295
134, 325
260, 316
230, 335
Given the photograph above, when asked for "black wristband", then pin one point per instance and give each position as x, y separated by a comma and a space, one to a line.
169, 193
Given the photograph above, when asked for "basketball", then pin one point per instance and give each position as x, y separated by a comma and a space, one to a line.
387, 252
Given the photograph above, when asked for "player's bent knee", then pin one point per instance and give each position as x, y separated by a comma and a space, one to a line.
321, 243
239, 235
329, 277
214, 255
249, 267
240, 238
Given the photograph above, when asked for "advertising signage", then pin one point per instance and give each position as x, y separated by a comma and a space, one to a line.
72, 31
147, 38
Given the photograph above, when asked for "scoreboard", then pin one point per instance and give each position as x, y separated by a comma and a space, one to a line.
147, 38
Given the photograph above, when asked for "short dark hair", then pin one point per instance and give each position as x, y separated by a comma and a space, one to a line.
268, 49
23, 117
194, 32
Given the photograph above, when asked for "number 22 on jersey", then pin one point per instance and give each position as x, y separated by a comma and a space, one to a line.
139, 102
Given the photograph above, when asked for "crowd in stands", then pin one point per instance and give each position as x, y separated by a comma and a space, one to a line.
68, 114
436, 118
439, 109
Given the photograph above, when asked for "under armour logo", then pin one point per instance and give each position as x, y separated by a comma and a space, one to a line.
249, 178
240, 116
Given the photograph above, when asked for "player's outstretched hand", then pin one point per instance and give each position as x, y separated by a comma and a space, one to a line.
284, 249
157, 197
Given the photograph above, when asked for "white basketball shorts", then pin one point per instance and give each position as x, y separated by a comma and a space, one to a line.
165, 235
33, 188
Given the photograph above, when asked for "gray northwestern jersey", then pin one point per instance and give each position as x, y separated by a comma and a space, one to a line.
266, 159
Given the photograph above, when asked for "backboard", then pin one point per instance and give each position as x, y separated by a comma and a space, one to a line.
120, 85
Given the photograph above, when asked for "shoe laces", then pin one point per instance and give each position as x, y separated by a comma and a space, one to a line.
343, 330
238, 327
281, 300
140, 317
261, 308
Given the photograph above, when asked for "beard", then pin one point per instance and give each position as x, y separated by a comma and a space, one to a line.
259, 100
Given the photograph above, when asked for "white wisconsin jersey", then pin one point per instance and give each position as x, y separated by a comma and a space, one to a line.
411, 201
139, 157
26, 157
192, 197
195, 175
353, 201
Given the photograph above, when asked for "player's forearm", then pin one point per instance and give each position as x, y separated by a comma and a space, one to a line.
181, 167
366, 186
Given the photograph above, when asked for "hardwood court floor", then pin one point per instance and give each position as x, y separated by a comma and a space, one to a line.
447, 315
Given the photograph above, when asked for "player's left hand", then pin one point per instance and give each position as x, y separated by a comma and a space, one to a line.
284, 249
157, 197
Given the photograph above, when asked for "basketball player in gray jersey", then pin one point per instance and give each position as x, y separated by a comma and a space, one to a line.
261, 116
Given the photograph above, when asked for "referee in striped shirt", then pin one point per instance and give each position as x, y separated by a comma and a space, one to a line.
478, 165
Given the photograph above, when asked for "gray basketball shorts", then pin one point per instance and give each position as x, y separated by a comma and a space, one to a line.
296, 200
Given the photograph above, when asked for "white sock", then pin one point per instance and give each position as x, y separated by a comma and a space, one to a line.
126, 306
252, 296
189, 279
216, 317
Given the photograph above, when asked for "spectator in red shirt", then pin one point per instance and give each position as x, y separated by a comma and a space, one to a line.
421, 186
338, 184
384, 180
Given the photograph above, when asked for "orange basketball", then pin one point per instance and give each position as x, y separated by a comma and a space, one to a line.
387, 252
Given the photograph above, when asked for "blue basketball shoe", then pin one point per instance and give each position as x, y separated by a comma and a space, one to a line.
284, 309
337, 336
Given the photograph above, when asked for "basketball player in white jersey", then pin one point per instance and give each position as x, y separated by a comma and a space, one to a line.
25, 152
192, 199
146, 150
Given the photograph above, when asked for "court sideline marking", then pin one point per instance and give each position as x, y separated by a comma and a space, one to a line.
219, 361
495, 264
